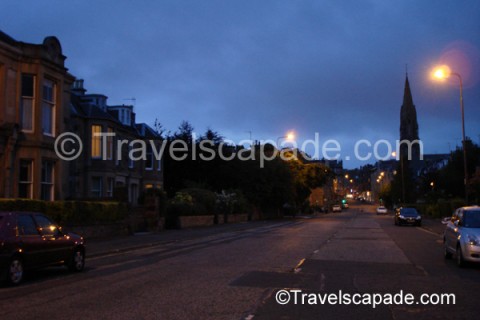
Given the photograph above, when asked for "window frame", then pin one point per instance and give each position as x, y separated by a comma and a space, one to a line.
51, 104
23, 99
97, 193
28, 182
96, 142
44, 183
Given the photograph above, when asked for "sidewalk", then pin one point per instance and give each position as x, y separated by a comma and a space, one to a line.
103, 246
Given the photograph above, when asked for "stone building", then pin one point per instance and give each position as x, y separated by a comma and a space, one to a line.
34, 110
40, 100
106, 167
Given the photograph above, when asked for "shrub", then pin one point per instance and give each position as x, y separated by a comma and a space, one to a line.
203, 199
71, 212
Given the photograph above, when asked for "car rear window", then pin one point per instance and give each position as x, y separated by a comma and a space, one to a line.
472, 219
409, 212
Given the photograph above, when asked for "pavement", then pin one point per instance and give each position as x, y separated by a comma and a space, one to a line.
104, 246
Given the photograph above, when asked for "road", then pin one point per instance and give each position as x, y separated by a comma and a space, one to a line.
237, 274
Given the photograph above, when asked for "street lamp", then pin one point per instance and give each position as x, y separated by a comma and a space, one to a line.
442, 73
289, 136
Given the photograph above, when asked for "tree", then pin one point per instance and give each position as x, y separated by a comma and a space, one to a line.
185, 133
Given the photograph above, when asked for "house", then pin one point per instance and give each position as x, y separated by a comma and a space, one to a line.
34, 110
107, 168
39, 101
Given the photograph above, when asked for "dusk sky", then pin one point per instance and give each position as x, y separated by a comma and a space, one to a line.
336, 68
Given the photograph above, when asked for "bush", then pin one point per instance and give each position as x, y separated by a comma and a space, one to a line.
71, 212
203, 200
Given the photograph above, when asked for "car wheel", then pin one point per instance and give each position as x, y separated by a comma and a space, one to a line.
419, 224
15, 271
446, 254
77, 262
460, 260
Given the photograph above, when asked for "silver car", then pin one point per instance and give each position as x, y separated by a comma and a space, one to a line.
462, 235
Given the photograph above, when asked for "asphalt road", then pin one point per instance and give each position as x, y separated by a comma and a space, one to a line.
237, 274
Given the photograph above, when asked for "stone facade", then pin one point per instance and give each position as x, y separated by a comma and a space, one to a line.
39, 100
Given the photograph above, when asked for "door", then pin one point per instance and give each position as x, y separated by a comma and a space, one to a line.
30, 241
451, 230
57, 245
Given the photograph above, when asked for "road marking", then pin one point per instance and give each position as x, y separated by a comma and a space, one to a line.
297, 269
322, 282
428, 231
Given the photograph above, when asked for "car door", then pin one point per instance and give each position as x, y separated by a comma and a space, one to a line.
57, 245
451, 230
30, 242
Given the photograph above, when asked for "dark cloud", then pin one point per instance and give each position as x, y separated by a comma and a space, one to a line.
333, 67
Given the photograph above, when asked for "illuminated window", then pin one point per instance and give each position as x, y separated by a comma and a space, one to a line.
96, 141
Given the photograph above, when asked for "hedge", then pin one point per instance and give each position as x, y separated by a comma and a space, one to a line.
443, 208
71, 213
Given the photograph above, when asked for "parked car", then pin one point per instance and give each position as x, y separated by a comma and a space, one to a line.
30, 240
382, 210
462, 235
407, 216
337, 208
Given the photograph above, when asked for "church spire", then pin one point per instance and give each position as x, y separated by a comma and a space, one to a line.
408, 123
407, 95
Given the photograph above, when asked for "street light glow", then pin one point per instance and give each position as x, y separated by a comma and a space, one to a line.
290, 136
442, 72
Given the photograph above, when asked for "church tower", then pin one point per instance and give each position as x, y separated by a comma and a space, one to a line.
409, 126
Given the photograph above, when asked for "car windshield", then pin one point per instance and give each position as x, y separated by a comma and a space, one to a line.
409, 212
471, 219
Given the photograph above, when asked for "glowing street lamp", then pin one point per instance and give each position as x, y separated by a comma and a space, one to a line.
289, 136
442, 73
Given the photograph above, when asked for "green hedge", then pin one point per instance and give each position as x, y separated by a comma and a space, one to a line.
443, 208
70, 212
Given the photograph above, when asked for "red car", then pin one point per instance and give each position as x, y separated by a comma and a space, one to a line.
30, 240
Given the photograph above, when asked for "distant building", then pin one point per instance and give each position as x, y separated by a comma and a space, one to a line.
106, 168
34, 110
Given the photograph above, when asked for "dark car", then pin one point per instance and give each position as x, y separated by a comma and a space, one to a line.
407, 216
30, 240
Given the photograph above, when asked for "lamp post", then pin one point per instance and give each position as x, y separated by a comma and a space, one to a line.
441, 73
288, 136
